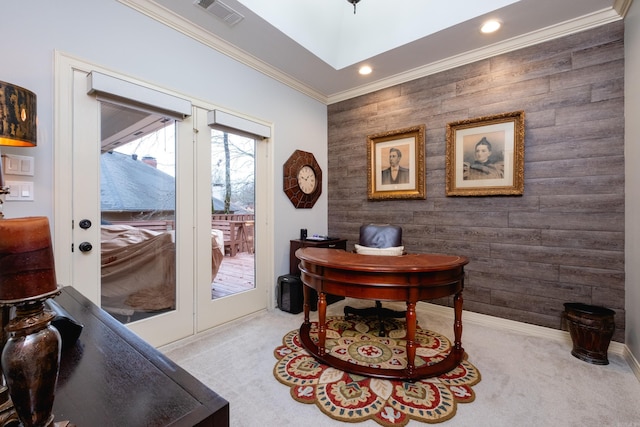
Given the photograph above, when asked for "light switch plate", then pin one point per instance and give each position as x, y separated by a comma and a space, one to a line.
19, 191
18, 165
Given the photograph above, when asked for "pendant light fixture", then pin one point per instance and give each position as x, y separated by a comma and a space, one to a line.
354, 3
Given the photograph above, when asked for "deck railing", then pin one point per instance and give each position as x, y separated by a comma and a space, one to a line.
237, 229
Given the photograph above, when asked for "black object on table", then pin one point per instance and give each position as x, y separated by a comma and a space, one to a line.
111, 377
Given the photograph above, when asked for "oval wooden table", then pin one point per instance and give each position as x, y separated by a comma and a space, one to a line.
410, 278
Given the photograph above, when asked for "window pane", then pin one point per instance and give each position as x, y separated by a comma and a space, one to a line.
232, 213
137, 199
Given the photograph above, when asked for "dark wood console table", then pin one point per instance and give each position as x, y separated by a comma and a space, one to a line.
111, 377
410, 278
296, 244
334, 243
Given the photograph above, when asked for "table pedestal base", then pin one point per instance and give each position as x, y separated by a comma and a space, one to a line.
448, 364
411, 372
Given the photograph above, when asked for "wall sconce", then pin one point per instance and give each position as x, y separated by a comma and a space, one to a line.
18, 123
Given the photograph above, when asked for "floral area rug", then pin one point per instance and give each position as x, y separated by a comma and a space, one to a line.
354, 398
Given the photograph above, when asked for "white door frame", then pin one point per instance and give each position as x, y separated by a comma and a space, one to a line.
199, 312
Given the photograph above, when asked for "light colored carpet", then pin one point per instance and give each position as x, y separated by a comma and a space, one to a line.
526, 380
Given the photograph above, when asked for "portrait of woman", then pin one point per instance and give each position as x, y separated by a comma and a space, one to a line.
485, 156
485, 164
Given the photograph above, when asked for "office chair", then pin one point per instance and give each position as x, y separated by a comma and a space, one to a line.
383, 240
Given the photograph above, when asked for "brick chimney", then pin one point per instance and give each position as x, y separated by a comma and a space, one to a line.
151, 161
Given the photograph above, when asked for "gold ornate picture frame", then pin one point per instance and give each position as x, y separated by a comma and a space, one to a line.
396, 164
485, 156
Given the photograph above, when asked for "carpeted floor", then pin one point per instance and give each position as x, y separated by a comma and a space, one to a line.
526, 380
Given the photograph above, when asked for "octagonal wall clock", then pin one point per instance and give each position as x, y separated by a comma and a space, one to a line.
302, 179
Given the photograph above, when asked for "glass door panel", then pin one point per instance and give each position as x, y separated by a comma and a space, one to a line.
232, 190
232, 213
138, 213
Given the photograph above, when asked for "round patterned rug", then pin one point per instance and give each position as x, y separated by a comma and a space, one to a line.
354, 398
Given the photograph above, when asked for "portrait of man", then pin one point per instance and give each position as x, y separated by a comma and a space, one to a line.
395, 174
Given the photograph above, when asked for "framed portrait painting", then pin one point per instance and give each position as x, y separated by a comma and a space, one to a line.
485, 156
396, 164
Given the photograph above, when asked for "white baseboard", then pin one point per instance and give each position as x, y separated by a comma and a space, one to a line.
532, 330
632, 361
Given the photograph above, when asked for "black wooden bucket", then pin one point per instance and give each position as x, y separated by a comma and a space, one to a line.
591, 328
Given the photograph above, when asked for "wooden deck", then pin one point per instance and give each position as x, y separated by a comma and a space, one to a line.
236, 274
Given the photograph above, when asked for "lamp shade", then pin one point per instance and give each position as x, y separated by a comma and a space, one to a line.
18, 127
27, 269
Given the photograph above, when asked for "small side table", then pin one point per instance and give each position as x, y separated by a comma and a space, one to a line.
306, 243
294, 262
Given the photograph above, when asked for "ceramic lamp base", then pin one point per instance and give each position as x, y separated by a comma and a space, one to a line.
30, 362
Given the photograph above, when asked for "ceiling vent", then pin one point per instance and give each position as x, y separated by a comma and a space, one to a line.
221, 11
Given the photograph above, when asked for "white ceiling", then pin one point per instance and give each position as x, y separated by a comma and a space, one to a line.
317, 46
334, 33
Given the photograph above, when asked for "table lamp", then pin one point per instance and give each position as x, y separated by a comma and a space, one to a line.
31, 355
18, 123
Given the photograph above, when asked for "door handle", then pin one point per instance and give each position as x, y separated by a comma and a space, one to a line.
85, 247
85, 223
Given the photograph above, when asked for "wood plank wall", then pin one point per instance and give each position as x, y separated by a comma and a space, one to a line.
563, 240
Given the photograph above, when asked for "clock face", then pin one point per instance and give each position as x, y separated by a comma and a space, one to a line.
307, 179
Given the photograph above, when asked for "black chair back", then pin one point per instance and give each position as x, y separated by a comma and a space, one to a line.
380, 236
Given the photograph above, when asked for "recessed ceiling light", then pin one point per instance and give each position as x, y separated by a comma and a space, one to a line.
364, 70
490, 26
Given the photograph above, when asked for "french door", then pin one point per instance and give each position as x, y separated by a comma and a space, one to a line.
251, 292
139, 223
